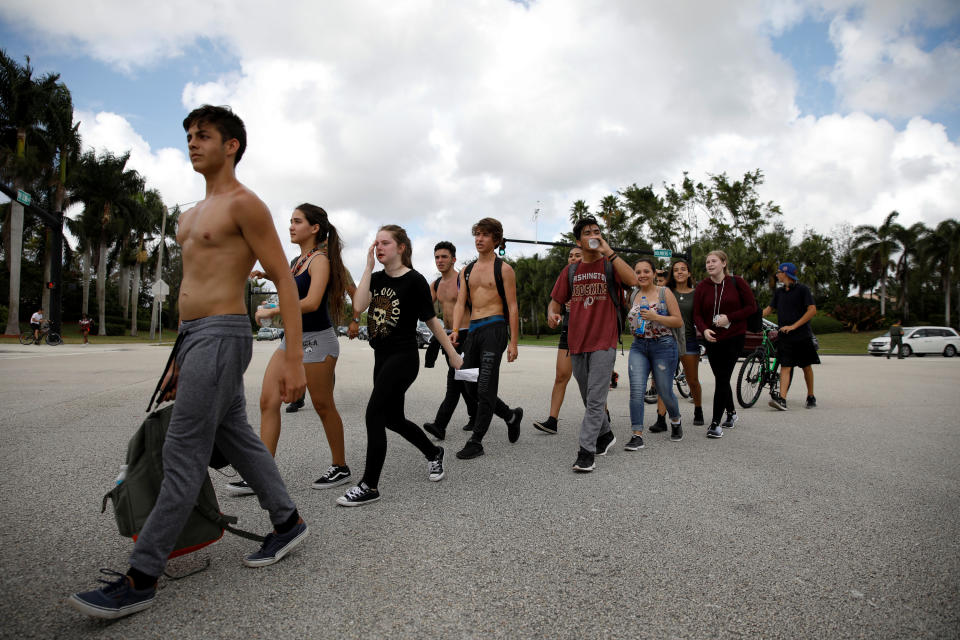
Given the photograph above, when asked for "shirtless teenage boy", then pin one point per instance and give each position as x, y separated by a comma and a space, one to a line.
222, 237
445, 291
489, 314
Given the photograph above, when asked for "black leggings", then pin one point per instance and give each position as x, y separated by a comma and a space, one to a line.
393, 373
722, 356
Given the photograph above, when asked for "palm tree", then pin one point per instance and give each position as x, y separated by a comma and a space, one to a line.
876, 245
941, 248
22, 103
63, 139
105, 187
908, 238
578, 210
150, 210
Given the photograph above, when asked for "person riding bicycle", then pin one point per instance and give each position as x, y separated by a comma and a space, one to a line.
795, 308
36, 323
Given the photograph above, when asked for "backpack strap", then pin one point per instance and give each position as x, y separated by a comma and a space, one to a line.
466, 281
498, 279
616, 295
224, 521
436, 285
173, 354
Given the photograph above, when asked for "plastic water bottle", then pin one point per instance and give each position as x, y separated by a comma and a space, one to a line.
122, 475
267, 322
643, 321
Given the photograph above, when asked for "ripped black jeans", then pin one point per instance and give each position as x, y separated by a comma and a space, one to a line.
483, 350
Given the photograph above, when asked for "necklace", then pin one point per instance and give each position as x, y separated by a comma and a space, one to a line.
303, 259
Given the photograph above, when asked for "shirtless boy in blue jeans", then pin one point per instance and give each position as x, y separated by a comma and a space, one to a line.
222, 237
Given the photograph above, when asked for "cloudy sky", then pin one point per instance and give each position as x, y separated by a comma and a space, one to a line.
433, 114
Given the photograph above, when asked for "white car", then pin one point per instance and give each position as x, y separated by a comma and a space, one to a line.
269, 333
920, 341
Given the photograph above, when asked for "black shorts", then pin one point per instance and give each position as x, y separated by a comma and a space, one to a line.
34, 327
797, 353
563, 346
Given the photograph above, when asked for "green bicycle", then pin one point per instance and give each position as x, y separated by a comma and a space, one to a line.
758, 370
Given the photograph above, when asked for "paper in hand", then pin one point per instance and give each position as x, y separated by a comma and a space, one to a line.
467, 375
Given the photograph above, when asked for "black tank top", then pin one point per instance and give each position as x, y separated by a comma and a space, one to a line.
319, 319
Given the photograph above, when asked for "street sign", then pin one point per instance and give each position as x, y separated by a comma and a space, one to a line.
161, 289
662, 253
23, 197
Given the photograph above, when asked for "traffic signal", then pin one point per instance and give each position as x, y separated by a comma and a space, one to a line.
49, 285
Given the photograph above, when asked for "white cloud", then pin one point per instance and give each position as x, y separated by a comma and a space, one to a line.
885, 67
433, 115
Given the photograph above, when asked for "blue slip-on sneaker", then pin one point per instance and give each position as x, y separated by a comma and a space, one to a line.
116, 600
277, 545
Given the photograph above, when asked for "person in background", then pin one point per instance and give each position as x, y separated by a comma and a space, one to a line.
682, 285
564, 368
794, 305
85, 324
445, 291
36, 323
896, 339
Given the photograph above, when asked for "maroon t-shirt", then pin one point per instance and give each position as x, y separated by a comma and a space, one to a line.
593, 317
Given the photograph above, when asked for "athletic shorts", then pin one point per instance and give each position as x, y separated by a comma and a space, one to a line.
317, 345
563, 346
799, 353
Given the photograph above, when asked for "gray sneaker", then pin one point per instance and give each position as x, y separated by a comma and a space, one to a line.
277, 545
731, 420
715, 431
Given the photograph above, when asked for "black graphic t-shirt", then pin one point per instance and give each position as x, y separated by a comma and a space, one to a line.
395, 306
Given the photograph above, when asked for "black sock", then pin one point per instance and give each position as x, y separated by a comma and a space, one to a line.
141, 580
289, 524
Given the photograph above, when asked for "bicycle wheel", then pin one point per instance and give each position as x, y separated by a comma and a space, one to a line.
750, 381
650, 397
53, 339
26, 337
683, 387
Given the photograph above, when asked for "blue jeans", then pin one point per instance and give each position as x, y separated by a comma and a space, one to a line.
659, 355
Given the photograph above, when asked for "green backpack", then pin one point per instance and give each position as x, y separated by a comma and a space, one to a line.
135, 494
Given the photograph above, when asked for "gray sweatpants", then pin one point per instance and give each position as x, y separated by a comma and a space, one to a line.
210, 407
592, 371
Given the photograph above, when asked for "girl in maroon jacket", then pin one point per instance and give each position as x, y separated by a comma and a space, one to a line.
721, 305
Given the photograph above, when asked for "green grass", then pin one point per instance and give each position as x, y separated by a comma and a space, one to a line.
846, 343
71, 335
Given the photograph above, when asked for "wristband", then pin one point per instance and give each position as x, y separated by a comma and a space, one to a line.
357, 320
613, 256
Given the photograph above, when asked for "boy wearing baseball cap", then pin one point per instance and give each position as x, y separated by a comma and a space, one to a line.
795, 308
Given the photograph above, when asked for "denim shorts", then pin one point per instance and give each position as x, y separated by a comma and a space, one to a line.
692, 348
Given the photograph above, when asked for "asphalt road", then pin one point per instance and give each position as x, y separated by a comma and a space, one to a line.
843, 521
